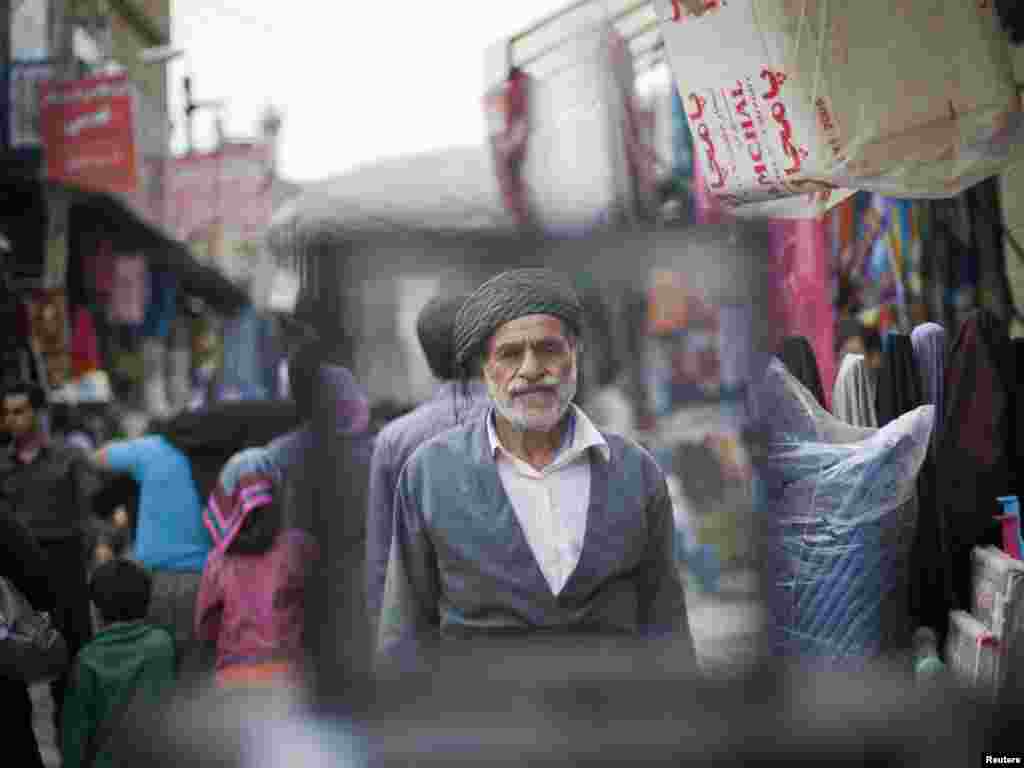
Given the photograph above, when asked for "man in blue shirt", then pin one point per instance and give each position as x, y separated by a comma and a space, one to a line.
451, 405
171, 540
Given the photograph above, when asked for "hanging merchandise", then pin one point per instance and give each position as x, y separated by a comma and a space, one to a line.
154, 385
508, 108
128, 290
243, 372
162, 306
179, 364
49, 323
974, 461
85, 354
801, 292
800, 102
576, 171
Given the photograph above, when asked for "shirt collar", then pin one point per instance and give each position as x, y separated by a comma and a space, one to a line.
584, 437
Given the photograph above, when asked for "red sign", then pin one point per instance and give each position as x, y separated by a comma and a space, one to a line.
87, 133
229, 187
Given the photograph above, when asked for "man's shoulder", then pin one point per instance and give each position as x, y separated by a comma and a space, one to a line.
425, 422
628, 457
460, 443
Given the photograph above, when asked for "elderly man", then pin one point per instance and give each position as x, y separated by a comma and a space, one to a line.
528, 519
451, 405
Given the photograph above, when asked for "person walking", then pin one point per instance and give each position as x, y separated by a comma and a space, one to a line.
46, 486
250, 603
24, 566
130, 663
170, 538
527, 519
452, 404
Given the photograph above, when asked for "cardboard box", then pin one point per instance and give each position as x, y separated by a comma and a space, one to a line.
998, 583
972, 653
784, 97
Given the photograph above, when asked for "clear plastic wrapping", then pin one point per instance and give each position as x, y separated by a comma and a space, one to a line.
841, 501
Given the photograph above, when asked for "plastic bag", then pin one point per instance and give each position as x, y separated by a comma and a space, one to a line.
838, 499
793, 104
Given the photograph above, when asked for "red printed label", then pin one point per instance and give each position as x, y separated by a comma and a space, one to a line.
680, 12
748, 140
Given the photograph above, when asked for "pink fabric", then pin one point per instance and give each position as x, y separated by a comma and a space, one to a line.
800, 275
85, 350
128, 290
100, 264
251, 606
802, 289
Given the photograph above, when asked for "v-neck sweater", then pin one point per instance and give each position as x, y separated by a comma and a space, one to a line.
460, 562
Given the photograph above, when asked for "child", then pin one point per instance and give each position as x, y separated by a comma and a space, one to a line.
251, 595
127, 662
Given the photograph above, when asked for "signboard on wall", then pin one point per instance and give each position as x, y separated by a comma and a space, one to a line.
26, 79
88, 134
230, 186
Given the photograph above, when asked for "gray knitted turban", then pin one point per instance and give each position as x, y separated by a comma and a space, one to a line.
509, 296
435, 328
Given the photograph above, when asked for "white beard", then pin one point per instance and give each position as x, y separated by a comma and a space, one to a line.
525, 418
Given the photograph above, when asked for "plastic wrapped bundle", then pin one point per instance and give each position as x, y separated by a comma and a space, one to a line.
837, 497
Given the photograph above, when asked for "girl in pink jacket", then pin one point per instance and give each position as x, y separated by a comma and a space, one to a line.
251, 596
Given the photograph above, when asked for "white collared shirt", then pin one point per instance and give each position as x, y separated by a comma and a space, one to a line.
551, 503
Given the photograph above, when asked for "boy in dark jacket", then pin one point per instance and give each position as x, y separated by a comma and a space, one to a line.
128, 662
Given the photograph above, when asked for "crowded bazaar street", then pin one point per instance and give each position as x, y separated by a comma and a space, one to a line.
558, 382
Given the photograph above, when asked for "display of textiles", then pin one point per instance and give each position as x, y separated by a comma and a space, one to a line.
836, 496
129, 290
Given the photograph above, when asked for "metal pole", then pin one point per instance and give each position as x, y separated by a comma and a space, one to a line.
190, 108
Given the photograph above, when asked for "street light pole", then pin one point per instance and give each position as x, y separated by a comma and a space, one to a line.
190, 108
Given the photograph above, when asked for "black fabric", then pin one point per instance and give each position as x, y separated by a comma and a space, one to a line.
1018, 426
899, 383
509, 296
65, 559
24, 565
211, 436
797, 354
435, 328
21, 747
974, 461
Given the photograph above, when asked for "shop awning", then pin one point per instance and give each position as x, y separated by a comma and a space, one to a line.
129, 231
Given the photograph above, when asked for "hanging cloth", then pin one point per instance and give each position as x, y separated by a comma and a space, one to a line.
899, 383
1018, 430
931, 588
128, 291
162, 305
797, 355
974, 465
929, 344
853, 398
85, 350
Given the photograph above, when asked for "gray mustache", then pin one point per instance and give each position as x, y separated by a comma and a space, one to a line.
532, 390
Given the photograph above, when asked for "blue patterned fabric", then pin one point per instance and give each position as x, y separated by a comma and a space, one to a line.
837, 497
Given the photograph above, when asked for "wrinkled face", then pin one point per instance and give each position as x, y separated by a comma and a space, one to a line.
530, 370
19, 415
